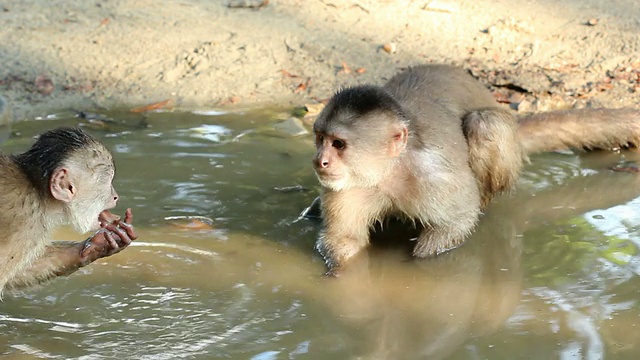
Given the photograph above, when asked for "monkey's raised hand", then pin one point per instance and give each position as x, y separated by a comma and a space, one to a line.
114, 236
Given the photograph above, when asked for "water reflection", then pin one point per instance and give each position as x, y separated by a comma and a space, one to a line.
526, 282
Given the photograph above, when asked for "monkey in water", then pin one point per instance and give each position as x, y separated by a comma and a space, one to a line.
432, 146
65, 178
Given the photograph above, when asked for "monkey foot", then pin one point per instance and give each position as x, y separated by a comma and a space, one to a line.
431, 250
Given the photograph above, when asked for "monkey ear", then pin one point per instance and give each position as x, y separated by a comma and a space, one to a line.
61, 186
399, 141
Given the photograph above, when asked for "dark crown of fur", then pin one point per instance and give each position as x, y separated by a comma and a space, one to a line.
361, 100
49, 152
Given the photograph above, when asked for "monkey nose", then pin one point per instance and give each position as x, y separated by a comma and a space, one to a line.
321, 162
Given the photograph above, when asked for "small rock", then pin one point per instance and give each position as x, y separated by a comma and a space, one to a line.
390, 48
43, 85
525, 106
549, 103
592, 22
292, 126
247, 4
313, 109
172, 75
516, 98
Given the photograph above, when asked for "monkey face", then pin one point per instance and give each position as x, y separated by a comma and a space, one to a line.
329, 165
96, 195
343, 160
84, 185
359, 135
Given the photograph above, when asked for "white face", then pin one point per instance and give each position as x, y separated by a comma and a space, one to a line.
94, 193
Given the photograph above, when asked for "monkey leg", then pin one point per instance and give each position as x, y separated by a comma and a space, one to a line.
438, 239
495, 153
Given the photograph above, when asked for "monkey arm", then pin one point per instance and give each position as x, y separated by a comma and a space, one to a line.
62, 258
346, 225
59, 258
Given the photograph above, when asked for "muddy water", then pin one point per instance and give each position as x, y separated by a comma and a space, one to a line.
551, 272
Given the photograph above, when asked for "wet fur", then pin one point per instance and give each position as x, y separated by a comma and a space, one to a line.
28, 212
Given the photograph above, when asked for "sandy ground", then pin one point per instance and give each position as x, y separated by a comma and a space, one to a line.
535, 54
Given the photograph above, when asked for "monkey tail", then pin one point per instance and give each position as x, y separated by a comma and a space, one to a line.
580, 129
495, 155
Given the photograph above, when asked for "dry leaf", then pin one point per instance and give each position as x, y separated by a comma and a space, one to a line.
501, 98
287, 74
191, 222
154, 106
629, 169
194, 224
302, 86
439, 6
604, 86
345, 69
361, 70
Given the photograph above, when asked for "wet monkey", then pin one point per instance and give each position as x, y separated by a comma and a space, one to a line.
65, 178
432, 146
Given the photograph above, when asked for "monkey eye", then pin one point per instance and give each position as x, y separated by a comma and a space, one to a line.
338, 144
319, 138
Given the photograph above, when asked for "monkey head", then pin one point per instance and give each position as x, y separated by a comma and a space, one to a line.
73, 170
359, 135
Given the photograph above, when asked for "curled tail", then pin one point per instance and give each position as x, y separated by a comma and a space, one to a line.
583, 129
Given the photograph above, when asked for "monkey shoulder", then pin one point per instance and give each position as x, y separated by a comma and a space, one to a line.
18, 199
12, 178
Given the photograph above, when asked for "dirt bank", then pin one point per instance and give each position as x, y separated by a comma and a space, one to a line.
537, 55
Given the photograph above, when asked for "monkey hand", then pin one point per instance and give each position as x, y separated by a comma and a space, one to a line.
106, 217
112, 238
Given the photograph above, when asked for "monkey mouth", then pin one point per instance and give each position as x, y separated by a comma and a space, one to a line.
333, 181
328, 176
106, 217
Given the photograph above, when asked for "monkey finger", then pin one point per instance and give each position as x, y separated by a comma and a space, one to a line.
112, 241
129, 229
107, 217
128, 216
114, 231
124, 237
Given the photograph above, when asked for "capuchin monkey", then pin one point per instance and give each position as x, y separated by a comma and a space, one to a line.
433, 147
65, 178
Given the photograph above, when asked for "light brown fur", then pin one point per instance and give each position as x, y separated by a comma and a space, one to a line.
54, 184
434, 147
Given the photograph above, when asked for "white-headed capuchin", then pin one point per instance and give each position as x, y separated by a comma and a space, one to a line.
433, 146
65, 178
